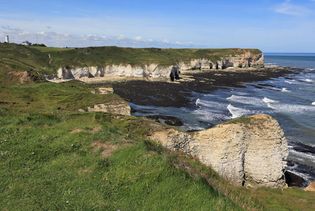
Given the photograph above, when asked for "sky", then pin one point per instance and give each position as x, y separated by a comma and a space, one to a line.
270, 25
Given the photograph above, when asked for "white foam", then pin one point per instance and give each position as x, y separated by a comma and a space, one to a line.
245, 100
209, 116
291, 108
237, 112
284, 90
289, 81
197, 102
313, 103
268, 100
303, 155
308, 80
210, 104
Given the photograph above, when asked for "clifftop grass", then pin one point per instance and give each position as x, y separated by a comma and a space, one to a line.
46, 60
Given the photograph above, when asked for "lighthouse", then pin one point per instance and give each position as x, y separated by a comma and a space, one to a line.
7, 39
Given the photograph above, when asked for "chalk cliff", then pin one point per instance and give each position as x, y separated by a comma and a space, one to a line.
250, 151
157, 71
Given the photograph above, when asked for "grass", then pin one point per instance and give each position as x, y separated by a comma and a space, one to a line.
47, 167
50, 97
288, 199
136, 56
48, 161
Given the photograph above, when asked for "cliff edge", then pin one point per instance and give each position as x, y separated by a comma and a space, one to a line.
164, 68
249, 151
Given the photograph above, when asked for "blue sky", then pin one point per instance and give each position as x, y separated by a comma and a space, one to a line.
271, 25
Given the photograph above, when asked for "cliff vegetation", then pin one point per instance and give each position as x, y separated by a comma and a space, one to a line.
44, 60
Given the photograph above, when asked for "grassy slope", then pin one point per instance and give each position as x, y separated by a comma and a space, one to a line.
45, 165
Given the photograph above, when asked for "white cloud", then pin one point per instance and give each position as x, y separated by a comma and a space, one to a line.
288, 8
50, 38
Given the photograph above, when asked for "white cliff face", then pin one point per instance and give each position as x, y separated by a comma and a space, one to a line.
147, 71
249, 154
156, 71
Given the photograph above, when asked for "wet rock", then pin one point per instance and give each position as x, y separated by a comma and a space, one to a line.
168, 120
294, 180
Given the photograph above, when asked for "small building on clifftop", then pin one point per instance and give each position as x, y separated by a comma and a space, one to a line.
7, 39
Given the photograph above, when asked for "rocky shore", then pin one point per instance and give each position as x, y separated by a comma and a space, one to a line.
178, 94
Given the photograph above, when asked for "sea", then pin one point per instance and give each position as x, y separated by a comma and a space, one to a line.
289, 99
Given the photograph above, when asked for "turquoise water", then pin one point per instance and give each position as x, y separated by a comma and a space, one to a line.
290, 99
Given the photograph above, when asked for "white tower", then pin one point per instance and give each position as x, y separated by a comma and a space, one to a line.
7, 39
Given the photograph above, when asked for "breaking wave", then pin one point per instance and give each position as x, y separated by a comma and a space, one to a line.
237, 112
284, 90
308, 80
245, 100
268, 100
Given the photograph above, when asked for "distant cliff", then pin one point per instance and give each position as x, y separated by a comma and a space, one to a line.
100, 62
210, 59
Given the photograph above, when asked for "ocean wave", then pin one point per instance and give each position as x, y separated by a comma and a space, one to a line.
213, 105
209, 116
197, 102
290, 81
308, 80
268, 100
313, 103
304, 156
285, 90
237, 112
245, 100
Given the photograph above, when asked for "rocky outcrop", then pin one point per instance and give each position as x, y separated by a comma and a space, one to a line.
250, 151
244, 60
310, 187
161, 72
118, 107
21, 77
152, 71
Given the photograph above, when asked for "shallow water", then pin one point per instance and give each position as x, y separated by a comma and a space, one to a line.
290, 99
